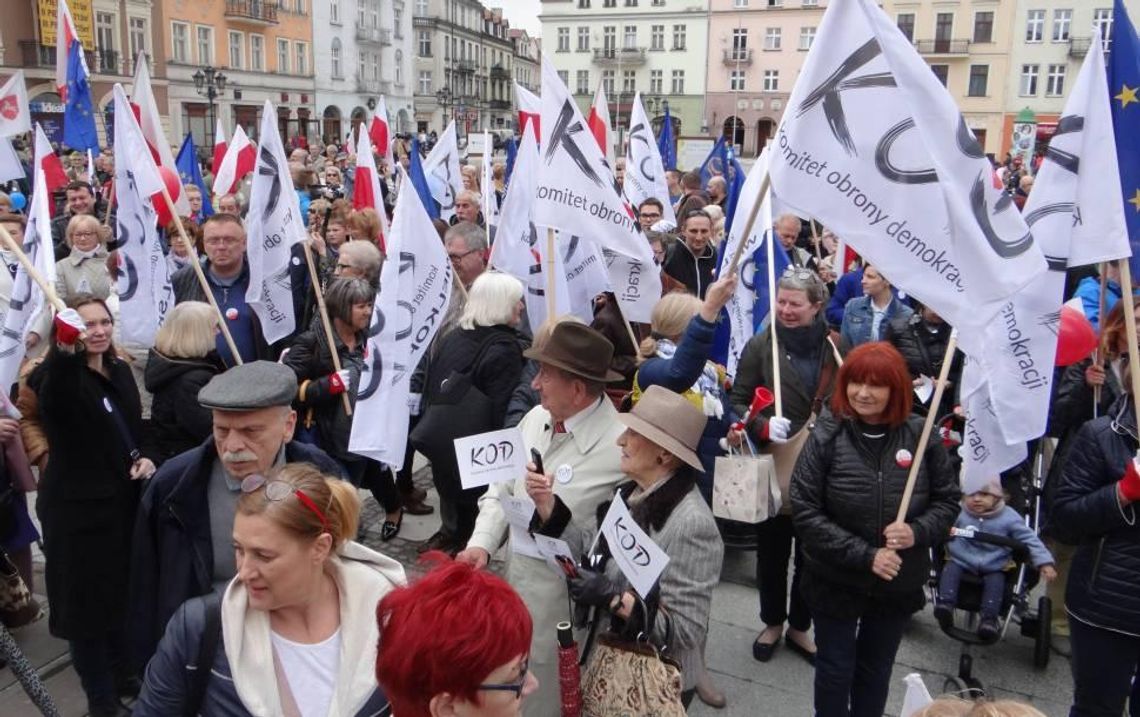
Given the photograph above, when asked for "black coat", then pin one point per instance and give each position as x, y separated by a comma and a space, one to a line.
178, 421
1104, 578
497, 373
923, 351
843, 499
172, 558
86, 501
695, 272
311, 359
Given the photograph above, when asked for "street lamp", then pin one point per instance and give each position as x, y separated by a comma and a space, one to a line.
443, 96
211, 84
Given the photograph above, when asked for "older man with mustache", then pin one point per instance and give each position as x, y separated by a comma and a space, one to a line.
183, 545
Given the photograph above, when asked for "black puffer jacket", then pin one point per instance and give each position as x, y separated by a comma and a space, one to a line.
179, 421
1104, 578
311, 359
498, 370
841, 503
923, 351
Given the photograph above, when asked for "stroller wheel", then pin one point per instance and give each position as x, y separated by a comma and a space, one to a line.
1043, 638
977, 689
956, 686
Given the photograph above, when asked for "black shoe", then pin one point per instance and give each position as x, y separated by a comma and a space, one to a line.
944, 613
762, 651
439, 541
416, 506
988, 628
390, 528
128, 687
800, 650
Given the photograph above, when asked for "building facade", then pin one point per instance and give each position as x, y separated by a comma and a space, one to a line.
363, 51
464, 60
756, 50
657, 47
113, 32
528, 60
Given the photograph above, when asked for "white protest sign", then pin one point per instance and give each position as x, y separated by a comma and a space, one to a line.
556, 552
519, 510
635, 553
491, 457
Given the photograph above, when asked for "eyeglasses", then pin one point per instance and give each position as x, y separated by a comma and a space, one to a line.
278, 490
218, 241
456, 258
516, 687
650, 215
799, 272
77, 234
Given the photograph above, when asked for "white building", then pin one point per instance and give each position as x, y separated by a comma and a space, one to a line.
362, 50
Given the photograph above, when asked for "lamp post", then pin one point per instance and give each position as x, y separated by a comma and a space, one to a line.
443, 96
211, 84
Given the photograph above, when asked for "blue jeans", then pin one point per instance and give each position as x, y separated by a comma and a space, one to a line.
993, 588
853, 664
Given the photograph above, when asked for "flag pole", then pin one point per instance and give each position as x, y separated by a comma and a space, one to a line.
325, 320
110, 203
1098, 356
815, 242
928, 425
748, 229
551, 304
201, 275
769, 240
49, 291
1130, 329
629, 329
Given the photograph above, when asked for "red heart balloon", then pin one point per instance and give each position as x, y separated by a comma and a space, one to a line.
174, 188
1076, 338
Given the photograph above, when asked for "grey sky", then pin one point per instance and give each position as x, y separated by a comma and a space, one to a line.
521, 13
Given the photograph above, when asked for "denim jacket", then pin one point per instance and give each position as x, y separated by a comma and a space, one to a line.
858, 317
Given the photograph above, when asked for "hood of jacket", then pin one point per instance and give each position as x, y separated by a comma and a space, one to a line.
161, 370
362, 576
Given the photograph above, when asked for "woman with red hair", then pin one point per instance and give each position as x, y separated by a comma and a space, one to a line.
864, 572
455, 642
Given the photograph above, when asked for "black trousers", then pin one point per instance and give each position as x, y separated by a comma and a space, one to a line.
1104, 663
101, 664
853, 664
372, 475
774, 541
458, 508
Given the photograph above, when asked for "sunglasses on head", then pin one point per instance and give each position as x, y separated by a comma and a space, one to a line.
279, 490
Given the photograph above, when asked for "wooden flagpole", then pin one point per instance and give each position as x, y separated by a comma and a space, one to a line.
110, 203
550, 248
49, 291
815, 241
748, 230
928, 425
777, 389
1130, 330
325, 319
1098, 356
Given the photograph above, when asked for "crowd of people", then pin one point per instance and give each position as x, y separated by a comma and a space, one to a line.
201, 525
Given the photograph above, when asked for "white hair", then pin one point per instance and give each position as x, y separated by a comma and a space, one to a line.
491, 300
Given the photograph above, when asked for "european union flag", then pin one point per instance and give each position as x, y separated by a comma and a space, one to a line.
419, 181
512, 155
191, 173
714, 162
1124, 88
78, 113
666, 143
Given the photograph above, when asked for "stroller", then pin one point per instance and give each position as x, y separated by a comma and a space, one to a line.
1021, 578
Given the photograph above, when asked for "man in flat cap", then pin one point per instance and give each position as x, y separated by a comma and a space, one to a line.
183, 544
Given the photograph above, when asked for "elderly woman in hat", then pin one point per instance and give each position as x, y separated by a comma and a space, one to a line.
658, 455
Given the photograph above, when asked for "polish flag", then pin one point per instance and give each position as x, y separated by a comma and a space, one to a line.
239, 160
600, 126
530, 109
219, 147
366, 185
379, 131
65, 34
52, 167
146, 111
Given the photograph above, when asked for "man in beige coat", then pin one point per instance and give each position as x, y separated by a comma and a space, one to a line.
576, 431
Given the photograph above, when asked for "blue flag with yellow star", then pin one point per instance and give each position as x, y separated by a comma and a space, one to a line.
190, 172
1124, 88
78, 112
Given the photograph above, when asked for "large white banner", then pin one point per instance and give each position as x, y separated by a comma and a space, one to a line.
441, 168
874, 146
415, 290
644, 170
274, 224
753, 280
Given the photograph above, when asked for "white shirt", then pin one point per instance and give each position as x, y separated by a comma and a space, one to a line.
311, 671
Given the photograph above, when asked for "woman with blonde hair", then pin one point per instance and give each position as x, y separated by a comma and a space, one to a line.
183, 360
364, 225
956, 707
84, 270
296, 631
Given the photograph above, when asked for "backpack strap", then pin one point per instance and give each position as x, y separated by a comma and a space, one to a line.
207, 650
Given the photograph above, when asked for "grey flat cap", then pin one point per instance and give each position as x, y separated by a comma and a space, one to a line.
249, 387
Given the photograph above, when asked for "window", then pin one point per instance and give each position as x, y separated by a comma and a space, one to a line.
1029, 80
105, 31
775, 3
609, 3
679, 37
739, 43
205, 42
398, 75
375, 67
942, 72
810, 3
736, 81
629, 37
334, 11
583, 39
983, 27
425, 82
563, 39
807, 37
772, 38
136, 36
564, 76
336, 55
608, 82
282, 56
631, 3
905, 21
360, 60
1035, 26
656, 81
257, 53
180, 41
424, 43
979, 79
360, 13
740, 3
422, 10
678, 82
609, 39
583, 82
1062, 20
583, 4
1055, 81
302, 50
657, 37
1102, 20
237, 50
771, 80
658, 3
628, 82
398, 22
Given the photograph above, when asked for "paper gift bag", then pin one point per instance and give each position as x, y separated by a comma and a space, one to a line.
745, 488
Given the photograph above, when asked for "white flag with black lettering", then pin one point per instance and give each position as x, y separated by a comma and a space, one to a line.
275, 224
644, 170
415, 290
874, 146
441, 168
143, 276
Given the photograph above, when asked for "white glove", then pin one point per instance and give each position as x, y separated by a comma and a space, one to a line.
778, 429
339, 381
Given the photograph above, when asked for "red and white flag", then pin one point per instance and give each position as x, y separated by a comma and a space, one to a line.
219, 147
600, 125
380, 131
54, 176
366, 185
150, 122
530, 109
14, 115
65, 34
238, 161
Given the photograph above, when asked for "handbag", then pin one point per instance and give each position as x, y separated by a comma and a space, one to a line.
17, 606
745, 487
633, 677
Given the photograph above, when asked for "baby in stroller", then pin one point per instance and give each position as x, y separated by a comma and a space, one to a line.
985, 511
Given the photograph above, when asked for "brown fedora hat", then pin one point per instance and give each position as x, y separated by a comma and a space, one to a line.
669, 420
580, 350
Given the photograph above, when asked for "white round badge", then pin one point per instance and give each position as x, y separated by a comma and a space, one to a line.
564, 474
231, 314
